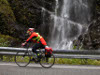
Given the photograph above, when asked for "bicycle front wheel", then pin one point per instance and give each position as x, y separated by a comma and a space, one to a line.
22, 59
47, 62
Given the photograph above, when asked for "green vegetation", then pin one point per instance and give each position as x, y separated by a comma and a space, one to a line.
77, 61
61, 61
21, 59
8, 58
5, 40
6, 18
24, 12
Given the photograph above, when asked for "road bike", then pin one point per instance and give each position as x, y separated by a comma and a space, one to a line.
22, 59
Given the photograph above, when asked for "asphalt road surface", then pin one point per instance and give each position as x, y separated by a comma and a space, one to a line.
36, 69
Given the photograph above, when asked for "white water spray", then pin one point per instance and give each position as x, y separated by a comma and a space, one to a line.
69, 22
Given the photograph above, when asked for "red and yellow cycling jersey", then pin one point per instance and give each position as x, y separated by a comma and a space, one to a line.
36, 38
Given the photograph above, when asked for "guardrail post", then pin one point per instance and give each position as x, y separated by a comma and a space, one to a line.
1, 57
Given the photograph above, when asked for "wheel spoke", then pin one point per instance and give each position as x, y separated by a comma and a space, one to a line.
22, 59
47, 62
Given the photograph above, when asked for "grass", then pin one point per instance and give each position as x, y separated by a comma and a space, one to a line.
5, 40
8, 58
77, 61
60, 61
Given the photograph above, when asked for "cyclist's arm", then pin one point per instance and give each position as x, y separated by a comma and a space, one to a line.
29, 39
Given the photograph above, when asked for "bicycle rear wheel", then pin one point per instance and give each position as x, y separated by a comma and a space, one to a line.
47, 62
22, 59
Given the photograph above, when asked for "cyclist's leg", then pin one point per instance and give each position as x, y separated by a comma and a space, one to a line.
37, 46
34, 48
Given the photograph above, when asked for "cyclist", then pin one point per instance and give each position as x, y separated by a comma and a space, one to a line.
37, 39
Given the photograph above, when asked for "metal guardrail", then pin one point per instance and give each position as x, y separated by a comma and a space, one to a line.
81, 54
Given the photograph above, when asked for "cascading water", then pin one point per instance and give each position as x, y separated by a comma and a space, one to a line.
70, 19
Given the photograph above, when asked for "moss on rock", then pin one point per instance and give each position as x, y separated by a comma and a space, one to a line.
7, 18
6, 40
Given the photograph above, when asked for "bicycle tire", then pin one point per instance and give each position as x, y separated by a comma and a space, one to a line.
22, 59
47, 64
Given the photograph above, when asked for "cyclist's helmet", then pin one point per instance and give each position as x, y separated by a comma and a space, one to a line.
30, 30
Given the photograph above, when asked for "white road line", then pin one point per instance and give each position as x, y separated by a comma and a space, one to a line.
56, 66
77, 67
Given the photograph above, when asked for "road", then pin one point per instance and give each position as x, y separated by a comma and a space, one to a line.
36, 69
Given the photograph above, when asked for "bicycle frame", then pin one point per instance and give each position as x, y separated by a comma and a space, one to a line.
43, 61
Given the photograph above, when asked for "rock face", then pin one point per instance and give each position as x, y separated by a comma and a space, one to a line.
18, 15
7, 18
92, 38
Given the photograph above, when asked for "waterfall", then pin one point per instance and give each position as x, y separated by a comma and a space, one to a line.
70, 19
